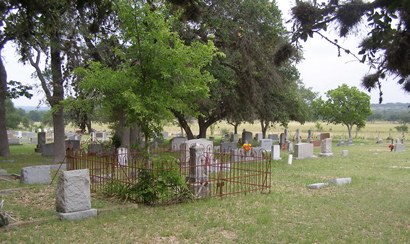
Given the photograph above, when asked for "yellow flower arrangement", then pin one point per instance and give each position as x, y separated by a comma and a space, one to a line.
247, 147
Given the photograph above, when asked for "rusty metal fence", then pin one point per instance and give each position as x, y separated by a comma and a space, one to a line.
207, 174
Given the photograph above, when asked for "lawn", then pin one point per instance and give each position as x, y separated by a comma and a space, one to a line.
374, 208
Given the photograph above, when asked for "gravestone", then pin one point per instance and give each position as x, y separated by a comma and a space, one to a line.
317, 185
258, 136
234, 138
341, 181
303, 150
14, 141
206, 144
236, 155
176, 143
340, 143
324, 135
298, 138
73, 198
309, 137
273, 137
94, 149
41, 141
266, 144
198, 175
399, 146
246, 137
282, 140
227, 147
276, 152
36, 175
122, 156
326, 148
47, 149
344, 153
291, 148
256, 153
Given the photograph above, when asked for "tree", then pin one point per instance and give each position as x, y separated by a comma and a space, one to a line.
386, 46
159, 74
344, 105
252, 37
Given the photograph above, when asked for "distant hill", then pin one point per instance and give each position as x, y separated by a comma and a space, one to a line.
390, 107
31, 108
390, 112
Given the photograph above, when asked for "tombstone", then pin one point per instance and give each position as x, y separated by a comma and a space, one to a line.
73, 198
36, 175
246, 137
341, 181
344, 153
198, 175
206, 144
286, 135
303, 150
256, 153
100, 136
282, 140
399, 146
227, 147
74, 145
236, 155
340, 143
41, 141
276, 152
273, 137
176, 143
317, 185
258, 136
14, 141
326, 148
290, 147
298, 138
47, 150
122, 156
324, 135
266, 144
309, 137
234, 138
94, 149
350, 142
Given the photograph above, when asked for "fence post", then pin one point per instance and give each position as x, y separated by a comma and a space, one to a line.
198, 175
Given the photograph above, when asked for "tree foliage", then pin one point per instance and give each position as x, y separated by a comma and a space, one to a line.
386, 46
344, 105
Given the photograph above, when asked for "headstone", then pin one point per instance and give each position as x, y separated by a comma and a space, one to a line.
290, 147
41, 141
399, 147
324, 135
122, 156
286, 135
266, 144
36, 175
206, 144
282, 140
73, 198
350, 142
74, 145
341, 181
276, 152
341, 143
198, 175
256, 153
94, 148
176, 143
14, 141
236, 155
246, 137
303, 150
273, 137
344, 153
309, 137
317, 185
298, 138
47, 149
3, 172
234, 138
227, 147
326, 148
259, 136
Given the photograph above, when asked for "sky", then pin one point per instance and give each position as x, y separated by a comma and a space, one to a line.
321, 68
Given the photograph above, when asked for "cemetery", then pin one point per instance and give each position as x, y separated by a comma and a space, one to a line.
220, 171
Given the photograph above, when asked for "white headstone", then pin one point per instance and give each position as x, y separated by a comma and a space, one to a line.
122, 156
266, 144
176, 143
326, 148
303, 150
276, 152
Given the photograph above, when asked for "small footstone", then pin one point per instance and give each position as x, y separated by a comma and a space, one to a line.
341, 181
317, 185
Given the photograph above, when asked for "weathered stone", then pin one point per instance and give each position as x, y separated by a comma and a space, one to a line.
3, 172
266, 144
324, 136
94, 149
176, 143
276, 152
399, 147
344, 153
341, 181
317, 185
303, 150
227, 146
246, 137
205, 144
78, 215
36, 175
326, 148
73, 191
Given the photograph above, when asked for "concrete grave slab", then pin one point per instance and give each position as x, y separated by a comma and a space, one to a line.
36, 175
317, 185
341, 181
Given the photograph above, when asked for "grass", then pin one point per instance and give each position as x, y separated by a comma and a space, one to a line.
374, 208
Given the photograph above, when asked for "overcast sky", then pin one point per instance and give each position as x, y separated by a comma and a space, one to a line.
321, 68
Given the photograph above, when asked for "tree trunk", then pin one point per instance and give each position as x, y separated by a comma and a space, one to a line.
235, 128
349, 129
204, 124
184, 124
4, 142
264, 126
56, 99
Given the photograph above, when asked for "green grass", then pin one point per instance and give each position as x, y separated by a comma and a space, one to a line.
374, 208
